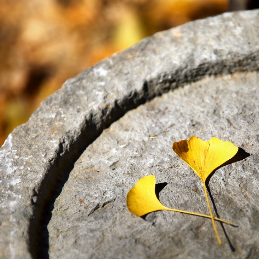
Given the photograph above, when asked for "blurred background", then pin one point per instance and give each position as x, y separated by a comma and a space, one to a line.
44, 42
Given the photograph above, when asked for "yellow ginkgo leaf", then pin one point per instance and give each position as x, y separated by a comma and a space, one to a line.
204, 157
142, 199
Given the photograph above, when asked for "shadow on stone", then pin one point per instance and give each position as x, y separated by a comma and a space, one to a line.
159, 187
240, 155
217, 214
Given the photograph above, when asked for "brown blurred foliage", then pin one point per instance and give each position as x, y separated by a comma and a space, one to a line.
43, 43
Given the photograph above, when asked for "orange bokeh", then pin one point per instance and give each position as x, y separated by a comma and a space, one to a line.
43, 43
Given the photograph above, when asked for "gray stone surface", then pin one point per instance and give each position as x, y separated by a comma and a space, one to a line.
91, 219
38, 156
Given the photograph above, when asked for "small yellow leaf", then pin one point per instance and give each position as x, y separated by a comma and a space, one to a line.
142, 199
204, 157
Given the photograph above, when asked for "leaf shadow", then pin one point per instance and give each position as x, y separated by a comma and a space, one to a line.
240, 155
159, 187
233, 249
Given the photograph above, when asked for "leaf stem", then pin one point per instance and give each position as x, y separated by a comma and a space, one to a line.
212, 218
200, 215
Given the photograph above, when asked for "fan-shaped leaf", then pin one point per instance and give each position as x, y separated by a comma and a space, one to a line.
204, 157
142, 199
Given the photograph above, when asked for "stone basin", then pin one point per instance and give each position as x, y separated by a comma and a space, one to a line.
65, 174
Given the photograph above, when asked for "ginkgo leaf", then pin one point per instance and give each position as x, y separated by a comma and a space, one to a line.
142, 199
204, 157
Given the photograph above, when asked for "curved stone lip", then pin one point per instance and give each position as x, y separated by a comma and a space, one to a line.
37, 157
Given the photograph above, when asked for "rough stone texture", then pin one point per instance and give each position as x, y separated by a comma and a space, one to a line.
38, 156
91, 219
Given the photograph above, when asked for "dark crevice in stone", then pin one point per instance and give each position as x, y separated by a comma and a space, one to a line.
69, 153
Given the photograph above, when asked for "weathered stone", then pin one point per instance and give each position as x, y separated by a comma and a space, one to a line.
38, 156
91, 220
